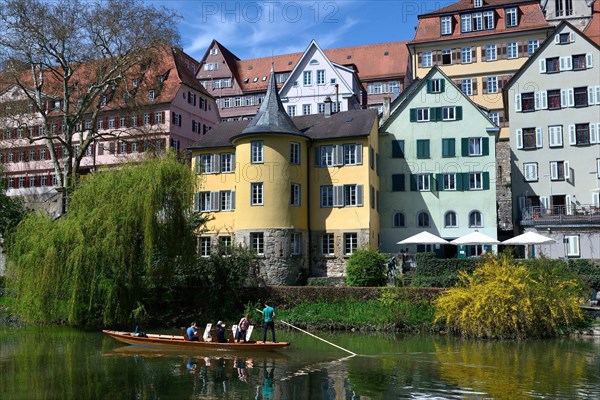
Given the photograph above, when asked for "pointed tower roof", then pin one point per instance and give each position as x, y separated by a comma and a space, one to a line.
271, 117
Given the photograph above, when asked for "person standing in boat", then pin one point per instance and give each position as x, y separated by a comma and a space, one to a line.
221, 332
243, 328
192, 332
269, 319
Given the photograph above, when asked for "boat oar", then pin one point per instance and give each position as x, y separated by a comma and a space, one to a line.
315, 336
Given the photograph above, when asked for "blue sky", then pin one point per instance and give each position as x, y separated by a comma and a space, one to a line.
261, 28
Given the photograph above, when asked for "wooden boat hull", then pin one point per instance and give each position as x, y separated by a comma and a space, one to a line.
177, 342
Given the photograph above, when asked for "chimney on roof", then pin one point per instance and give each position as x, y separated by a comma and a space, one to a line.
386, 109
328, 106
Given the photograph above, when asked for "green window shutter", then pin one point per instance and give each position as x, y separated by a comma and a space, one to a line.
413, 115
451, 147
432, 183
486, 146
464, 147
440, 113
419, 149
465, 179
429, 86
458, 113
433, 114
486, 181
459, 182
397, 148
440, 182
442, 85
426, 149
413, 183
423, 148
398, 183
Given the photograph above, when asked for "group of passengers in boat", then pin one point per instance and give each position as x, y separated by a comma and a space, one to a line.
242, 328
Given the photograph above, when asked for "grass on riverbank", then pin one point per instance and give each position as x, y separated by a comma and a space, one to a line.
362, 315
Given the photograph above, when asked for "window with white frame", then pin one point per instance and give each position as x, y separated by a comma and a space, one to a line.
351, 197
256, 193
467, 86
205, 164
326, 196
477, 21
494, 117
449, 113
423, 182
492, 84
225, 245
291, 110
475, 181
572, 245
511, 17
530, 171
350, 243
449, 181
465, 23
450, 220
122, 148
475, 219
307, 78
257, 151
477, 3
227, 200
328, 244
488, 20
559, 170
512, 50
151, 95
427, 59
295, 194
295, 244
475, 146
207, 201
466, 55
446, 57
446, 22
294, 153
306, 109
423, 220
320, 77
146, 119
205, 246
327, 156
491, 53
422, 114
257, 243
351, 154
555, 136
436, 85
532, 46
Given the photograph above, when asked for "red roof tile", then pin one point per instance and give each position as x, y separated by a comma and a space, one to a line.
464, 5
530, 17
593, 29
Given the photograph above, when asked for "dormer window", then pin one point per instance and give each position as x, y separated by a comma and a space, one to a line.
214, 51
151, 94
161, 79
314, 62
264, 78
57, 104
511, 17
102, 101
446, 23
246, 80
255, 79
477, 3
135, 83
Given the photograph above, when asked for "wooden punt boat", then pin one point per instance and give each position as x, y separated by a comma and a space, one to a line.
178, 342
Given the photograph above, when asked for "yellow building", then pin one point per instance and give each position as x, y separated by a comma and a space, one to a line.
301, 192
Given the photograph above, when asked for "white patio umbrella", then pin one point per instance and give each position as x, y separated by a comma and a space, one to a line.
529, 238
423, 238
475, 238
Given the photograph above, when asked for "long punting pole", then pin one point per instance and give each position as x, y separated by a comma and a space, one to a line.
315, 336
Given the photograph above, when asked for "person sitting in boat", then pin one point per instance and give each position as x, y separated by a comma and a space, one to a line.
192, 332
243, 328
221, 332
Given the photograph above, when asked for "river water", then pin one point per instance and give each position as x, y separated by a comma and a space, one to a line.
63, 363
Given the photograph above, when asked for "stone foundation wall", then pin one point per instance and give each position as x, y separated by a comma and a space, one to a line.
332, 266
503, 188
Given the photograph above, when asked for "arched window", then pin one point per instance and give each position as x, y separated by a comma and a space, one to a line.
398, 220
423, 220
450, 220
475, 219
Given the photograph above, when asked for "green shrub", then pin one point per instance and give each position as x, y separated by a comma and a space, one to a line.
507, 300
429, 265
366, 268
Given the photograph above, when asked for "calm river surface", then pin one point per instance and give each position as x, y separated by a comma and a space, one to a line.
61, 363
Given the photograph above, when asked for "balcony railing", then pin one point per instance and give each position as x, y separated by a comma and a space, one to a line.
581, 214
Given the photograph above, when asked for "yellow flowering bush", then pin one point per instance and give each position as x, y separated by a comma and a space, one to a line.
506, 300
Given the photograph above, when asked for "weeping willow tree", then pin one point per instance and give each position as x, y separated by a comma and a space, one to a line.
126, 232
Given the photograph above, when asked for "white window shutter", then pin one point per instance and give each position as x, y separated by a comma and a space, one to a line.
591, 95
539, 137
569, 60
216, 163
593, 133
557, 39
198, 164
545, 203
360, 193
569, 205
571, 37
571, 96
598, 168
214, 201
564, 100
518, 102
519, 133
544, 100
196, 202
553, 170
233, 161
233, 199
537, 101
597, 94
589, 60
359, 154
562, 64
339, 155
572, 135
567, 170
542, 64
338, 196
596, 199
